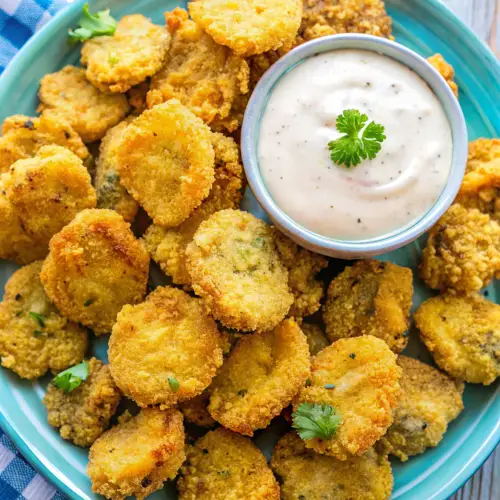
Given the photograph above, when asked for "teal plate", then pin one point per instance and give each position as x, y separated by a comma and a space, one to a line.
423, 25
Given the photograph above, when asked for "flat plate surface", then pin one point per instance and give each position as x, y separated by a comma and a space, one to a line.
423, 25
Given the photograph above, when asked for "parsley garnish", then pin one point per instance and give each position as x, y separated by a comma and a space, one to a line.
71, 378
173, 383
316, 421
91, 25
39, 318
88, 302
350, 148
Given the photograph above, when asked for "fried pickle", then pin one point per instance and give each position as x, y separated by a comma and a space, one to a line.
136, 51
204, 76
235, 267
316, 339
68, 95
95, 266
225, 466
445, 70
428, 402
166, 162
463, 335
138, 455
370, 298
482, 151
83, 414
365, 379
305, 474
34, 337
255, 25
462, 252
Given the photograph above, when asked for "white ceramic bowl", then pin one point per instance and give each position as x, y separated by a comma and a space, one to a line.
343, 248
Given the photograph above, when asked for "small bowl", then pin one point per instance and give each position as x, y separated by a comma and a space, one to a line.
343, 248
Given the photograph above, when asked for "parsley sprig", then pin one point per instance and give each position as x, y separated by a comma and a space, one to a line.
70, 379
316, 421
92, 25
351, 148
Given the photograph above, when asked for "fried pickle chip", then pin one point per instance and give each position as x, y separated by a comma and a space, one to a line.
204, 76
225, 466
445, 70
261, 376
23, 136
110, 193
302, 266
165, 350
167, 247
95, 266
34, 337
166, 162
249, 27
68, 94
463, 335
370, 298
235, 267
83, 414
307, 475
138, 455
462, 252
428, 402
365, 379
482, 151
136, 51
316, 339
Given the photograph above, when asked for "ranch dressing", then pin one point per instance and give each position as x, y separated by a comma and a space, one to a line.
377, 196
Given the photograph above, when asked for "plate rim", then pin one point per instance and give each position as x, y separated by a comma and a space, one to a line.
35, 457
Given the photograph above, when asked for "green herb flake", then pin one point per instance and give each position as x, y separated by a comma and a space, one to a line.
259, 242
329, 386
173, 383
39, 318
37, 333
88, 302
242, 392
92, 25
70, 379
308, 382
316, 421
352, 355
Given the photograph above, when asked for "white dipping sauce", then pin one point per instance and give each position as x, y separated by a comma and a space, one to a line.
377, 196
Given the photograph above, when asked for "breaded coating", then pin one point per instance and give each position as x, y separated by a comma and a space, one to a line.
428, 402
68, 94
302, 266
47, 191
95, 266
261, 376
34, 337
462, 252
463, 335
167, 247
225, 466
204, 76
445, 70
23, 136
232, 123
307, 475
370, 298
249, 27
110, 193
83, 414
166, 162
137, 97
482, 151
316, 339
365, 377
138, 455
165, 350
235, 267
331, 17
136, 51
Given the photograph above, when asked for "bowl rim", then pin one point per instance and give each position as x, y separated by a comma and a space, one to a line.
399, 237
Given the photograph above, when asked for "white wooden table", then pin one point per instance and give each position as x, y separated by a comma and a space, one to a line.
483, 16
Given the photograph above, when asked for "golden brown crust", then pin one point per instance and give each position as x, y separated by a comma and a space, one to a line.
462, 251
482, 151
95, 266
445, 70
26, 347
307, 475
67, 94
261, 376
84, 414
366, 377
138, 455
225, 466
370, 298
166, 162
428, 402
463, 335
136, 51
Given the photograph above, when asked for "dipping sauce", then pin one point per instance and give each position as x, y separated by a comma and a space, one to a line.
377, 196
